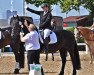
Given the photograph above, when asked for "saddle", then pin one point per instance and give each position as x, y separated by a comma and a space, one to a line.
52, 37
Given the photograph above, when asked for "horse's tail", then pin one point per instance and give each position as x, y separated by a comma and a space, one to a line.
77, 57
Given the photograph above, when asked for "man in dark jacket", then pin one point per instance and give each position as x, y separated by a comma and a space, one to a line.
45, 22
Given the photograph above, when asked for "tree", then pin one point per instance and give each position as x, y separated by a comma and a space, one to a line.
67, 5
89, 5
39, 2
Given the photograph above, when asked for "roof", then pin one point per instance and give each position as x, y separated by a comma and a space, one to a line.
73, 18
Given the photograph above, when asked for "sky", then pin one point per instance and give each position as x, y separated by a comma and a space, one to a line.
18, 6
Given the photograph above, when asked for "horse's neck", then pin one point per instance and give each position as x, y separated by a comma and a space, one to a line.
85, 31
87, 35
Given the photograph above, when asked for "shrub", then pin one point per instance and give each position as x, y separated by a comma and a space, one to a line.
81, 40
70, 29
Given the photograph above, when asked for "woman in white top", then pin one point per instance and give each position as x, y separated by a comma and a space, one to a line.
32, 45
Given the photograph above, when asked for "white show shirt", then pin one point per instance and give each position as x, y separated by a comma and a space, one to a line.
32, 41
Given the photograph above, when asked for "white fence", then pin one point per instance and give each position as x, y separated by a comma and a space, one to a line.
86, 47
79, 44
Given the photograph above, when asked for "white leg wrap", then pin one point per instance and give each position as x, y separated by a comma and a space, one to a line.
17, 65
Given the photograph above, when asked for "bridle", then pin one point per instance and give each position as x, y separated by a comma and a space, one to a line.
79, 33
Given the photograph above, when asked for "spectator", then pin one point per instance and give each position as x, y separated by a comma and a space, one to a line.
32, 45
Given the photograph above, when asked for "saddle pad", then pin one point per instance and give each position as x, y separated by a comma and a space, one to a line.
53, 38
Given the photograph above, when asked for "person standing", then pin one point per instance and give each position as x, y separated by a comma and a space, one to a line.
45, 22
32, 45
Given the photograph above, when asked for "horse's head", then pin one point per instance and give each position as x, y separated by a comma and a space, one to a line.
82, 31
26, 21
15, 24
77, 33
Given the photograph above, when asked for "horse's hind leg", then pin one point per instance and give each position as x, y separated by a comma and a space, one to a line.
46, 56
74, 54
53, 56
73, 61
92, 57
63, 54
21, 55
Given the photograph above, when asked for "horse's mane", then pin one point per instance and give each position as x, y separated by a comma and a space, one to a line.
22, 18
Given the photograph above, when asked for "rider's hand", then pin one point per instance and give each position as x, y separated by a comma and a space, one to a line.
27, 8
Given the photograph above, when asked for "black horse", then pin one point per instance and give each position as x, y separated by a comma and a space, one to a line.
65, 43
10, 36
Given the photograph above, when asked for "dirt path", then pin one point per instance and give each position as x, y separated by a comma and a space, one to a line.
7, 65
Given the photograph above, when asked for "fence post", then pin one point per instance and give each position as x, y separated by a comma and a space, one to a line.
87, 49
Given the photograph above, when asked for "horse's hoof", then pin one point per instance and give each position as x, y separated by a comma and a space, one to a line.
91, 62
61, 73
45, 59
53, 59
16, 71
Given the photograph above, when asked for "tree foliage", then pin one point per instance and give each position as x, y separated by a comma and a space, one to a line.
39, 2
67, 5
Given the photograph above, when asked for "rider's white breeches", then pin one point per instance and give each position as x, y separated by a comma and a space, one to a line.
46, 33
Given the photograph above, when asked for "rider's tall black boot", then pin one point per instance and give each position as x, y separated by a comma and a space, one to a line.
46, 44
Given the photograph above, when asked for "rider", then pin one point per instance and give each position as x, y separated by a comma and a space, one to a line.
45, 22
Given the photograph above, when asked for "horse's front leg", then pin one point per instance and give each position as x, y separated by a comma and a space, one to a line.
16, 53
17, 65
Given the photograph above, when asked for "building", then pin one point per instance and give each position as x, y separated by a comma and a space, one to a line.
3, 23
73, 21
10, 13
